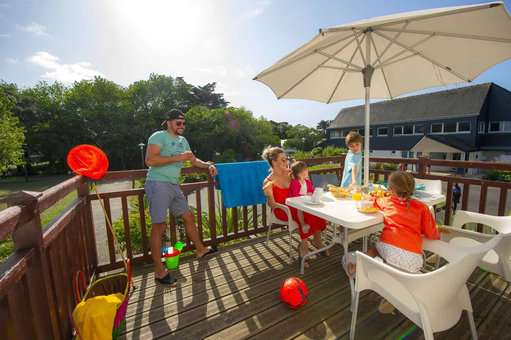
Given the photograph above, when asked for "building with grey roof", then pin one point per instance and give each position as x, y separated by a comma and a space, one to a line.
469, 123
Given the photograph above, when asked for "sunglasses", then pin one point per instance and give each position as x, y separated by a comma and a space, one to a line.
180, 124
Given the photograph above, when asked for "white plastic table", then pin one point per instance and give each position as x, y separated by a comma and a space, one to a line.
354, 225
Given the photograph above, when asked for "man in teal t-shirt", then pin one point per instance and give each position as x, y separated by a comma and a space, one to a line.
166, 152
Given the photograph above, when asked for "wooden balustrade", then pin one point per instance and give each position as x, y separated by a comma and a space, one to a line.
35, 281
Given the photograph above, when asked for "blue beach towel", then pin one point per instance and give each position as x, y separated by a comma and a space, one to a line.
241, 183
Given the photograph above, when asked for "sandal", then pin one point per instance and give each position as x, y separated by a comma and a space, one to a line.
211, 250
166, 280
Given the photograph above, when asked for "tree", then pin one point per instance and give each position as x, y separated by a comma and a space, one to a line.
323, 125
11, 132
303, 138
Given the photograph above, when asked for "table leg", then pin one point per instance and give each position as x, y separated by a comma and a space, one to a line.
317, 251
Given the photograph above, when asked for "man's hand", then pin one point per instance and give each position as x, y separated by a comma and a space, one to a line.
188, 156
212, 170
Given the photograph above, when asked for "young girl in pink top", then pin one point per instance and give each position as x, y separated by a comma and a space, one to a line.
309, 225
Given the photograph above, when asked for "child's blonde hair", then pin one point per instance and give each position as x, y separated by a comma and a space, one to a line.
298, 167
402, 184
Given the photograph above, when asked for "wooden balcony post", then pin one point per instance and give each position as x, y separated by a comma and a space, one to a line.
422, 166
29, 235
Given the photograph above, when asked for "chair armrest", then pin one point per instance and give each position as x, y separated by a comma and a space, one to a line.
286, 209
444, 249
452, 232
463, 217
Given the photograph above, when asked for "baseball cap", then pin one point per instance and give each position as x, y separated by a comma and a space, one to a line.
173, 114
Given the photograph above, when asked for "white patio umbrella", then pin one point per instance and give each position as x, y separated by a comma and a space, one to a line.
388, 56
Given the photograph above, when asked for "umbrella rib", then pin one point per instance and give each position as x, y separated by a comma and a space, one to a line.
348, 64
317, 67
341, 68
382, 70
434, 62
341, 78
390, 43
387, 62
451, 35
289, 62
360, 49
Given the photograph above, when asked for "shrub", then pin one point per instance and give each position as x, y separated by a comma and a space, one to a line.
496, 175
331, 150
390, 166
6, 249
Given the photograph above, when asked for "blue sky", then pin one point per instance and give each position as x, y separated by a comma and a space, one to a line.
227, 41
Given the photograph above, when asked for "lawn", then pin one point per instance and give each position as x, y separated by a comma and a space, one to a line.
35, 183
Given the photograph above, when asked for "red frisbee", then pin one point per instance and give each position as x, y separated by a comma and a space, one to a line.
88, 160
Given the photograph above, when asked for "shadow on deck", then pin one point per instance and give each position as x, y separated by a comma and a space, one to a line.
234, 295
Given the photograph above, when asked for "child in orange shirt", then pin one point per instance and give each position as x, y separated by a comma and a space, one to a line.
405, 221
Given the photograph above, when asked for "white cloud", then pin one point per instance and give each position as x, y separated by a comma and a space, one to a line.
11, 60
5, 35
35, 28
258, 9
66, 73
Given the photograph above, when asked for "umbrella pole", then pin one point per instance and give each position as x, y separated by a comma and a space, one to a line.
366, 134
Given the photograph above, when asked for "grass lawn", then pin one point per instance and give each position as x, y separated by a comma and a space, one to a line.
35, 183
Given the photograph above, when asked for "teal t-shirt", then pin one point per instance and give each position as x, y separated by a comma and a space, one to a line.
352, 159
169, 146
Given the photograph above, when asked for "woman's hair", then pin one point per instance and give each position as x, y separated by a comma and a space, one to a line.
270, 153
298, 167
402, 183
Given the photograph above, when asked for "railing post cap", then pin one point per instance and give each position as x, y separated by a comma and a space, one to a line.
22, 198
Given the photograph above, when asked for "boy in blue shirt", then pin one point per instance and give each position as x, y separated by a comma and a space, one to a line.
352, 173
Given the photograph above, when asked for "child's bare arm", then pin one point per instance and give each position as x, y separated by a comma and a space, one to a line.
354, 175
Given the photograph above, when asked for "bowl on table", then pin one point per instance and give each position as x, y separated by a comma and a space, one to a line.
366, 206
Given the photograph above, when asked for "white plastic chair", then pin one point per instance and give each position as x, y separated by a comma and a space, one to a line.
434, 301
497, 260
433, 186
291, 224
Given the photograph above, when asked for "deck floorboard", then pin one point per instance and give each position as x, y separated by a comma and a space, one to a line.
234, 295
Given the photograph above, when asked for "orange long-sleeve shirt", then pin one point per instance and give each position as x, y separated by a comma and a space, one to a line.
404, 225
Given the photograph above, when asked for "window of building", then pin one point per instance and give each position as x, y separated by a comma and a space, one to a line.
500, 126
408, 130
382, 131
418, 129
450, 127
464, 126
398, 130
481, 128
336, 133
437, 128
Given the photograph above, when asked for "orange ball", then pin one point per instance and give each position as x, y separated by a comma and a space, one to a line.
294, 292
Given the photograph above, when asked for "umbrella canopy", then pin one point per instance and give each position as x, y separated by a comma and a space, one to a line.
389, 56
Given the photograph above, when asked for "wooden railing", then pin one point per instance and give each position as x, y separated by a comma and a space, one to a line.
215, 223
35, 282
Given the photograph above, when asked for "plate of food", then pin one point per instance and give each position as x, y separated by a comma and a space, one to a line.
366, 207
339, 192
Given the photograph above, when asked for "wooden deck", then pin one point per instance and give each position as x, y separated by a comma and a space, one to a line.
234, 295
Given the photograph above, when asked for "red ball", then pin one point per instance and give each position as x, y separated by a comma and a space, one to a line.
294, 292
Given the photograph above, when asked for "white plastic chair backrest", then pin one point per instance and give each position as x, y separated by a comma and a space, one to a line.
433, 186
501, 224
434, 290
321, 180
